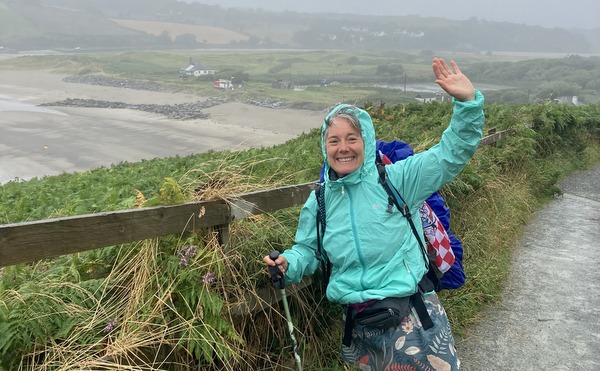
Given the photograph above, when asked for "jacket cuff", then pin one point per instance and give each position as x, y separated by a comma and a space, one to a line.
477, 102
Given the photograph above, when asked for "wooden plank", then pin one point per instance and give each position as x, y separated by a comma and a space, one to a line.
268, 201
493, 138
30, 241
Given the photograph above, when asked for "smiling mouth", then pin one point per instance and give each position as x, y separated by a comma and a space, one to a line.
346, 159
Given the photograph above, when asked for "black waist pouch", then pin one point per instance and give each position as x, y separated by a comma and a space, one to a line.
384, 313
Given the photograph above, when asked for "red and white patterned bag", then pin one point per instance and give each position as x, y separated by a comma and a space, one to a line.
437, 239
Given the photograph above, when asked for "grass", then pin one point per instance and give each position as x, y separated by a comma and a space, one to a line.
488, 227
146, 303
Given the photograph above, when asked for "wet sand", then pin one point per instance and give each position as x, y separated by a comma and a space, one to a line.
37, 141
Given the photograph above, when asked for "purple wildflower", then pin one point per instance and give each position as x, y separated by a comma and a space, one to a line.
185, 252
111, 325
208, 277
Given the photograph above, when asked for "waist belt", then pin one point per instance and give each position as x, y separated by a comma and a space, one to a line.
389, 312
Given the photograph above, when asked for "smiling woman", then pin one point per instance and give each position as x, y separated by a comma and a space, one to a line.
344, 143
372, 267
204, 34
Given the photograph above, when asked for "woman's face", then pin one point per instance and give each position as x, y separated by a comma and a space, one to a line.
344, 147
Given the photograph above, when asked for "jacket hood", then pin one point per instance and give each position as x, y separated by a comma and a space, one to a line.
368, 136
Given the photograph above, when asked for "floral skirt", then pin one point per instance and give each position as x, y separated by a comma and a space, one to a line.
406, 347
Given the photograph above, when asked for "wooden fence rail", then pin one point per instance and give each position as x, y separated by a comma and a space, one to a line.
27, 242
30, 241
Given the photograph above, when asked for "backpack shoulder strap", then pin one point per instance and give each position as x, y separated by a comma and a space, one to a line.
394, 198
424, 285
321, 226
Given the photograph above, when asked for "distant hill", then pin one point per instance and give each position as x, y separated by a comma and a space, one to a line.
204, 34
118, 24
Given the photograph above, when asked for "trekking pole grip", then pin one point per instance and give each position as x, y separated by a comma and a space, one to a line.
276, 273
274, 255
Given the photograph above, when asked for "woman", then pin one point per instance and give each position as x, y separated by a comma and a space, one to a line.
373, 252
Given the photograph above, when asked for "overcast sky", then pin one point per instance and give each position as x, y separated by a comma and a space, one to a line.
545, 13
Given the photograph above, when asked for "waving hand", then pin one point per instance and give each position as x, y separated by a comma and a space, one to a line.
452, 80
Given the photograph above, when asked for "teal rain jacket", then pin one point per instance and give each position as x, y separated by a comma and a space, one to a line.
373, 252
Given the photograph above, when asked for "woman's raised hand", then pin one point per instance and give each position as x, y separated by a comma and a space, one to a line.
452, 80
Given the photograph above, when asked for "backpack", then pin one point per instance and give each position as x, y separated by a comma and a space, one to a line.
451, 275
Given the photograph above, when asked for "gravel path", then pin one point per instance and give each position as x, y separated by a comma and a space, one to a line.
548, 318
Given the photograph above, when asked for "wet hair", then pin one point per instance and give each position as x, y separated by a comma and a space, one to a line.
350, 113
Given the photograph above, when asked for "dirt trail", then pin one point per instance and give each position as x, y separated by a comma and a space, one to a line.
548, 318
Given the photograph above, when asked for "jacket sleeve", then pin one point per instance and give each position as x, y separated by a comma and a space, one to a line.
301, 256
419, 176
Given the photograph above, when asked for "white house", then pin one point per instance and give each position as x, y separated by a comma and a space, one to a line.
431, 97
196, 69
570, 100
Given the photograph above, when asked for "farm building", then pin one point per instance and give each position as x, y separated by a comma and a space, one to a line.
223, 84
195, 69
431, 97
282, 84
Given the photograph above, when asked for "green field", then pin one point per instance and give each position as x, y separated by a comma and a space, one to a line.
325, 77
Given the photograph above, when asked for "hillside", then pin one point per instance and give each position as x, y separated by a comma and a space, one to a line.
59, 24
203, 34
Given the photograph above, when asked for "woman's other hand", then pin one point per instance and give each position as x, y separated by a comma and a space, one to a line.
281, 262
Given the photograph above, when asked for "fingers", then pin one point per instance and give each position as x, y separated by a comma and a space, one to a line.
455, 67
437, 69
281, 261
270, 262
452, 80
442, 70
440, 67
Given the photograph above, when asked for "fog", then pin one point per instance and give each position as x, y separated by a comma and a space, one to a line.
544, 13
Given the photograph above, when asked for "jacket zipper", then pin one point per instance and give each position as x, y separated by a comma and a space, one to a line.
411, 274
355, 236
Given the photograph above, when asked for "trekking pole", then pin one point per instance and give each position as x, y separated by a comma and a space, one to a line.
279, 282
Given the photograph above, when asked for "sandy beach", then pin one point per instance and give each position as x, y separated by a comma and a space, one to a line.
37, 141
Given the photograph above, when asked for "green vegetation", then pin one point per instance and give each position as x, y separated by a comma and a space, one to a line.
167, 303
542, 79
323, 78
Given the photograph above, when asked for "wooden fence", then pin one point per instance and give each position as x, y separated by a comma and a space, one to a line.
31, 241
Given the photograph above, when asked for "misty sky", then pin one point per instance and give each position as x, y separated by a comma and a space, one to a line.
545, 13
